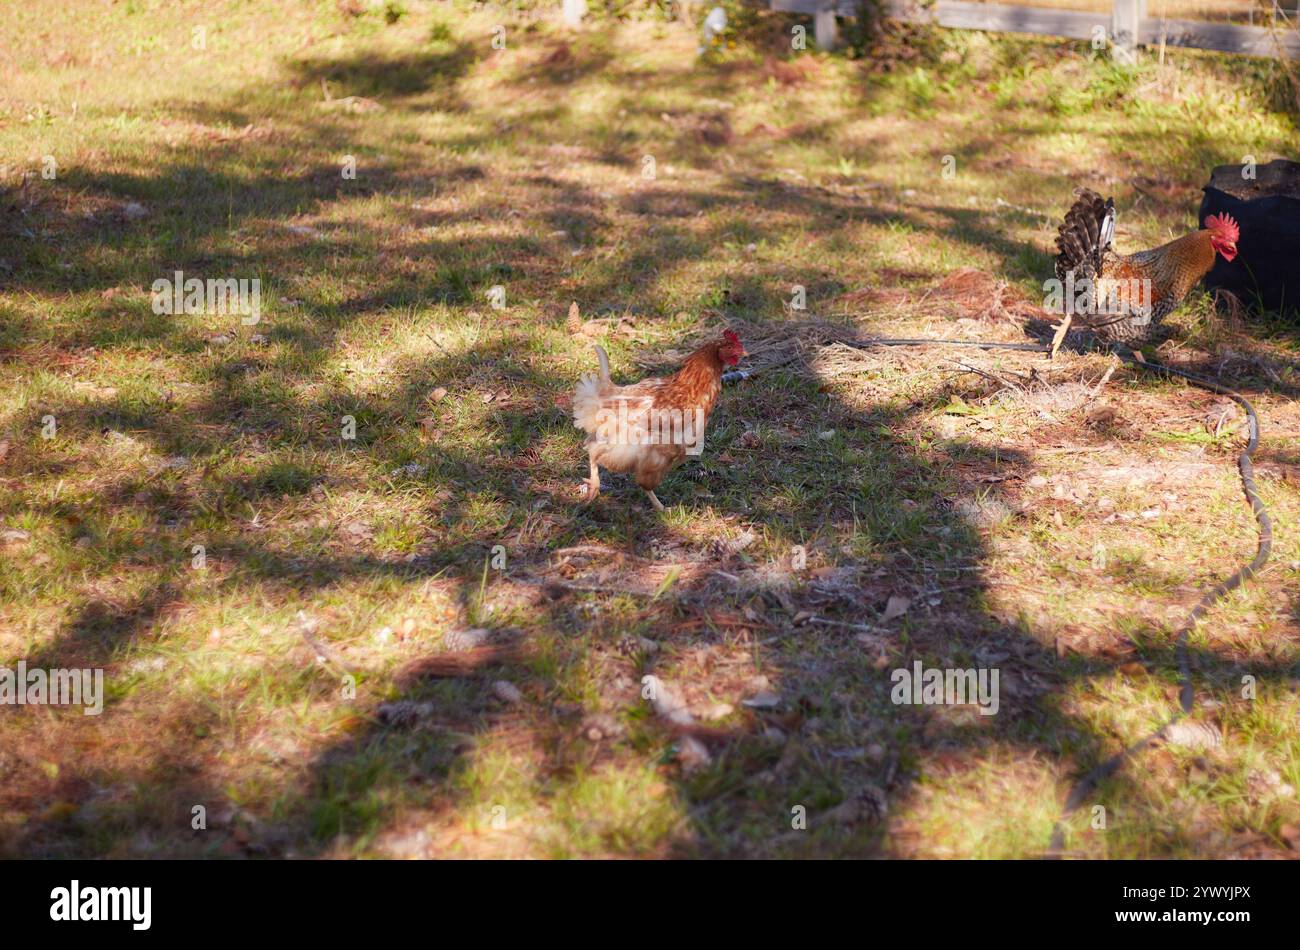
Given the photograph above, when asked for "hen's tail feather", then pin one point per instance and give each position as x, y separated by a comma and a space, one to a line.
1085, 235
591, 390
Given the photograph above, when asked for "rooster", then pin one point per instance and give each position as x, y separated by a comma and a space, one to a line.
1129, 295
650, 426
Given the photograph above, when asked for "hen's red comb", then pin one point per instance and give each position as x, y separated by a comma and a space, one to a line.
1223, 226
730, 336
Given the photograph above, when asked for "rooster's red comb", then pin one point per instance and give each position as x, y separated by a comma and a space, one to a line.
1223, 226
730, 336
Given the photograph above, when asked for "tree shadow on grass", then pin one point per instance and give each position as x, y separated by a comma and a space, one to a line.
741, 804
385, 75
835, 745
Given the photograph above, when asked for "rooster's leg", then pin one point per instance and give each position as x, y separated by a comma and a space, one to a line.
1059, 337
659, 505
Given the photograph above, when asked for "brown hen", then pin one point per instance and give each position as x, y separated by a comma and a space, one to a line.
649, 427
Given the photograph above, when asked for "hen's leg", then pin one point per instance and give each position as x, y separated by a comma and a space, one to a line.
591, 486
659, 505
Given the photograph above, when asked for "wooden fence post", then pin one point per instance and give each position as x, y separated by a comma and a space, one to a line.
1126, 29
573, 11
824, 29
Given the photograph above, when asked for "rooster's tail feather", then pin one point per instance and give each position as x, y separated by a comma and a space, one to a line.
1085, 235
591, 390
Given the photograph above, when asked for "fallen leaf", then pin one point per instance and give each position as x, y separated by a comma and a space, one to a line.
1101, 416
358, 529
712, 711
666, 700
466, 639
602, 726
1291, 835
896, 607
692, 754
507, 691
1193, 735
763, 700
959, 407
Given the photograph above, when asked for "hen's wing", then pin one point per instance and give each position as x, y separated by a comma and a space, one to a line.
612, 413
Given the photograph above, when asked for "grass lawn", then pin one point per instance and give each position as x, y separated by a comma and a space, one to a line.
260, 532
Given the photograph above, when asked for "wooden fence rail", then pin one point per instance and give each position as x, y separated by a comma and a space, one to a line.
1126, 27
